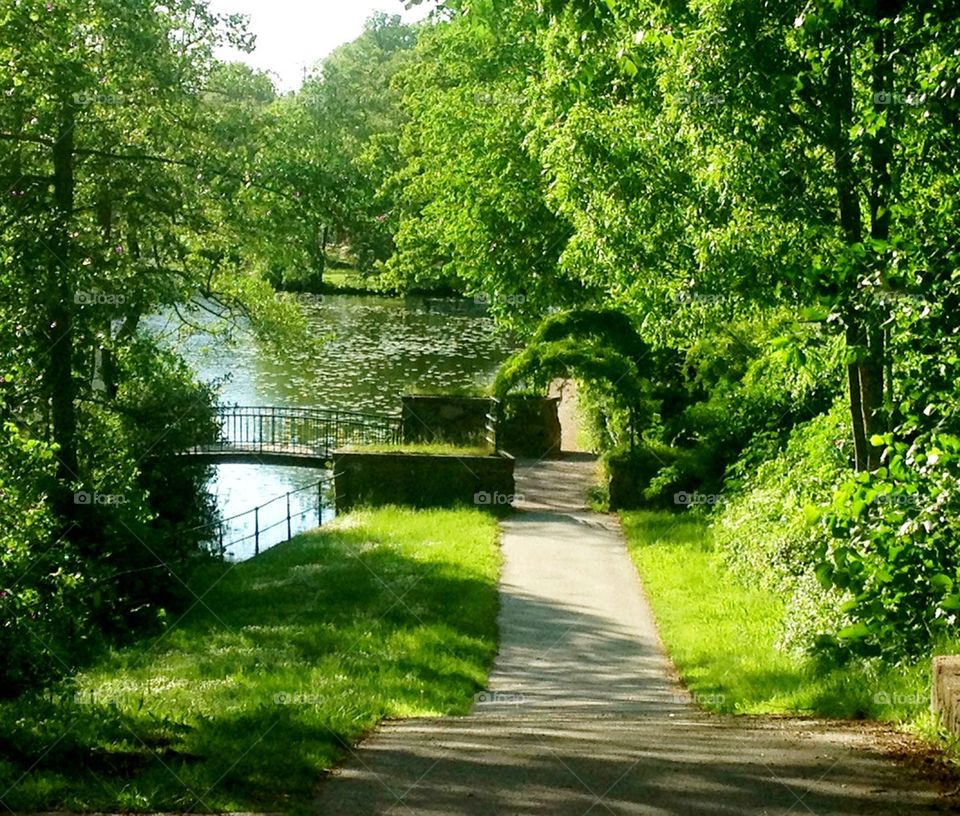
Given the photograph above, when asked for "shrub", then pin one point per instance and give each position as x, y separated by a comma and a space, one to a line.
44, 586
743, 389
148, 539
135, 539
893, 550
765, 528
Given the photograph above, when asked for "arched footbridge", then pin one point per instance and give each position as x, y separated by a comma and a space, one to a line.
304, 437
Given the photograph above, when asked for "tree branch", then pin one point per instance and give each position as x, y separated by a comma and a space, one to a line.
146, 157
18, 137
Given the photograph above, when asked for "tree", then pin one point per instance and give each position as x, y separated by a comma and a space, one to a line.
764, 147
108, 171
472, 211
329, 148
601, 348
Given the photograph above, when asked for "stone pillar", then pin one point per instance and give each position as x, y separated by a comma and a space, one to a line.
945, 692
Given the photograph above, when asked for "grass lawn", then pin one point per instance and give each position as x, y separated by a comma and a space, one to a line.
283, 661
349, 279
722, 636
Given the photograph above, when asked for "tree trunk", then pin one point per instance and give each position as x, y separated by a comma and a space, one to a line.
851, 225
874, 371
865, 336
870, 371
58, 375
860, 453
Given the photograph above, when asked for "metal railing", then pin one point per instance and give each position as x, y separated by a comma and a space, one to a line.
259, 530
297, 431
493, 424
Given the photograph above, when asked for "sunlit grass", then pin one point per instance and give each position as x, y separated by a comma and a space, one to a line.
723, 636
287, 658
351, 280
426, 448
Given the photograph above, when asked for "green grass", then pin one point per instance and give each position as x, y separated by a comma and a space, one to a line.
246, 701
476, 390
723, 637
428, 448
350, 279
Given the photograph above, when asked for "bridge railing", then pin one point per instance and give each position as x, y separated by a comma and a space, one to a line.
307, 431
256, 524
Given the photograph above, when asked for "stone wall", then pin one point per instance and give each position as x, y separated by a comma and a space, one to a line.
530, 427
457, 420
421, 480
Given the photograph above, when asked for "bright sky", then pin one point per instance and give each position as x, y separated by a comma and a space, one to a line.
292, 35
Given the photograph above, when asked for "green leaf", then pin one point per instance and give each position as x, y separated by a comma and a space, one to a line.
950, 602
858, 631
941, 581
629, 67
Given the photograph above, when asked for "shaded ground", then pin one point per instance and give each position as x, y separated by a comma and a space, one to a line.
583, 713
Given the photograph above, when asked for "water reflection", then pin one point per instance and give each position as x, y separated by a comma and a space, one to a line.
240, 488
375, 350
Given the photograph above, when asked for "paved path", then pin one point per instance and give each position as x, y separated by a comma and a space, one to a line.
583, 714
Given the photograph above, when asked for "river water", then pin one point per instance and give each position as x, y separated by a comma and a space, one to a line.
374, 349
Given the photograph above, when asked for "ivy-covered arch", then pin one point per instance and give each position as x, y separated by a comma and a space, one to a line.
599, 347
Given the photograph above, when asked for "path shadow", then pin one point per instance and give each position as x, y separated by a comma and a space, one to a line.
577, 766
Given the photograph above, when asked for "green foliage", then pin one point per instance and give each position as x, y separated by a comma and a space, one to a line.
600, 348
471, 209
44, 584
149, 531
893, 550
329, 150
119, 175
595, 364
728, 213
766, 532
890, 543
723, 409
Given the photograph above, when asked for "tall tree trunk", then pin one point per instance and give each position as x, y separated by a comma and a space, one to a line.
873, 375
851, 225
860, 441
58, 375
